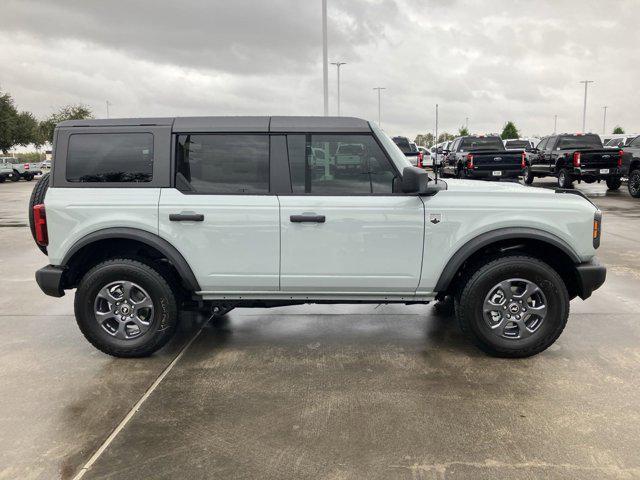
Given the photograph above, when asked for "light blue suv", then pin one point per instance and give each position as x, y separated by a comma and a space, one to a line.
147, 217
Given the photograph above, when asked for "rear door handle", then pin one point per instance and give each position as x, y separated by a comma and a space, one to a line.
307, 218
186, 217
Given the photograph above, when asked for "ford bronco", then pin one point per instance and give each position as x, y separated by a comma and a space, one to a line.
148, 217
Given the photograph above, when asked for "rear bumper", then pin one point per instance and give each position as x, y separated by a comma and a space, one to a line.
595, 172
591, 276
49, 279
473, 173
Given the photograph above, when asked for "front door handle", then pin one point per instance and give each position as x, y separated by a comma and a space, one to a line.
307, 218
186, 217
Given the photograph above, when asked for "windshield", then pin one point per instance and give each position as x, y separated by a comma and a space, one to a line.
517, 143
481, 143
579, 141
392, 149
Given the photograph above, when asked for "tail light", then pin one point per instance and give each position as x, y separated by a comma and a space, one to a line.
523, 163
40, 225
469, 160
26, 166
420, 157
620, 155
576, 159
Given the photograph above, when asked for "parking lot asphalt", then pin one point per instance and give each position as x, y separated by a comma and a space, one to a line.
321, 392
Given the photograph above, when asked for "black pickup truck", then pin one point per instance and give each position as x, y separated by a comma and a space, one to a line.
574, 156
631, 166
482, 157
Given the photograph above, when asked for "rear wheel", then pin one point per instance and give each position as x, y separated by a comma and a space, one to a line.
15, 177
564, 179
633, 184
126, 308
513, 306
28, 177
2, 179
613, 183
527, 176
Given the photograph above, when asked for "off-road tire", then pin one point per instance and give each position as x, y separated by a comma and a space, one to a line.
477, 285
564, 179
613, 183
16, 176
3, 179
28, 177
527, 176
37, 197
165, 316
633, 183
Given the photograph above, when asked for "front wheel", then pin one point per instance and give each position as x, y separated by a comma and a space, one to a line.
527, 175
514, 306
564, 179
633, 184
613, 183
15, 177
126, 308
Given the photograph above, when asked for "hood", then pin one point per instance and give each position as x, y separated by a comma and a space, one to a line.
483, 186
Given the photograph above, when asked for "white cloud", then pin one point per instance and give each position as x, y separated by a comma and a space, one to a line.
489, 61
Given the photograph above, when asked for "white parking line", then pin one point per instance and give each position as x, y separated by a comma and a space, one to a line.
134, 409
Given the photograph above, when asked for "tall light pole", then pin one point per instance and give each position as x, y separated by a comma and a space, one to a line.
466, 123
604, 120
108, 105
325, 59
379, 89
555, 123
584, 109
435, 162
338, 65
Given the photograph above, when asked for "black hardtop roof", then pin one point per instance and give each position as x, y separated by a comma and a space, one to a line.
235, 124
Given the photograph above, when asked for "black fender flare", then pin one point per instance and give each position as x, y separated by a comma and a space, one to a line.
487, 238
142, 236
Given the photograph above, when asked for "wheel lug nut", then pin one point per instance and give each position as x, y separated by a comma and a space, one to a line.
508, 316
504, 308
517, 317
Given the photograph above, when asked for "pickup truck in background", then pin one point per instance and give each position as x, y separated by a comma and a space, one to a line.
478, 156
574, 156
21, 169
631, 166
410, 151
6, 172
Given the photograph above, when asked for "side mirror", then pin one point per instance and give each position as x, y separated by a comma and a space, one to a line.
414, 180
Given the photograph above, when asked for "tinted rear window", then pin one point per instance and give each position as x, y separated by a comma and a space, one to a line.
403, 144
579, 141
225, 164
482, 143
517, 144
110, 157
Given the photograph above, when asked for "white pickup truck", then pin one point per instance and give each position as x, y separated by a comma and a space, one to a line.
20, 168
147, 217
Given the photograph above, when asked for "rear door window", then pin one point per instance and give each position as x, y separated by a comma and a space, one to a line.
110, 157
224, 164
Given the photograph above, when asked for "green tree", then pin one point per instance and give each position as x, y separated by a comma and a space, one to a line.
68, 112
424, 140
618, 130
509, 131
445, 137
462, 131
16, 128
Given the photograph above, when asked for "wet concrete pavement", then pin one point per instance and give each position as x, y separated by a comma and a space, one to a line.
329, 392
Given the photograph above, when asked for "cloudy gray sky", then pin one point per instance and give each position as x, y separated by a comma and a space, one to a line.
490, 61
